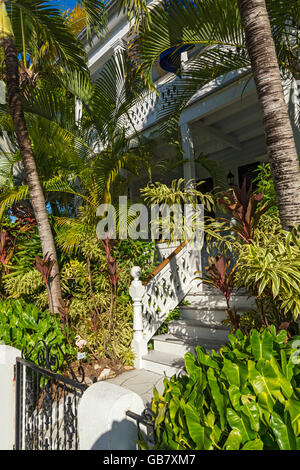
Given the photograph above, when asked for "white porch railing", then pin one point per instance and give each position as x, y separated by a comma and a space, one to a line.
152, 300
146, 112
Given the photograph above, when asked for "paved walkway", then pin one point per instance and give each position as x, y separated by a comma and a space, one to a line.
141, 382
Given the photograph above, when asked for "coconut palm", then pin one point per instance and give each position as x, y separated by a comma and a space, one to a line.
81, 162
278, 130
224, 37
38, 25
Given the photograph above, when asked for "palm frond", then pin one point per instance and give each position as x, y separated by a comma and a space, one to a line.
11, 196
44, 25
213, 32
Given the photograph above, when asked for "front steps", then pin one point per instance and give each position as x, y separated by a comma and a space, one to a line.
200, 324
167, 357
163, 363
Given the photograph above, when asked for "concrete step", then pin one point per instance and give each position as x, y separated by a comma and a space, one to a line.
207, 316
212, 299
180, 346
163, 363
193, 329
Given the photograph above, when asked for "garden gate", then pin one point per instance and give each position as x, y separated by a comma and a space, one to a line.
46, 400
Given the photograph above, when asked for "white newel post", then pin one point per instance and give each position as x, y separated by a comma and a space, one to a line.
136, 291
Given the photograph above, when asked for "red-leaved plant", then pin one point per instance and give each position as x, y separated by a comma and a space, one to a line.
44, 266
111, 264
6, 248
219, 275
244, 206
24, 216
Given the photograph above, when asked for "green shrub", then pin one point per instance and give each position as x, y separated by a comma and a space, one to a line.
86, 284
268, 269
22, 326
264, 184
247, 396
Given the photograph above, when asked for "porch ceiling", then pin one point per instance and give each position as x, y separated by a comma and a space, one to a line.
235, 130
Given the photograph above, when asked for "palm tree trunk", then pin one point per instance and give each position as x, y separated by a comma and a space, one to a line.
35, 189
278, 130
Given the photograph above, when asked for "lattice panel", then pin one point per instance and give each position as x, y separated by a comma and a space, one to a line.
166, 290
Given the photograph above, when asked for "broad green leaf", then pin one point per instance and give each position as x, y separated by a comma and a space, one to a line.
267, 382
262, 345
174, 406
283, 434
285, 384
235, 396
240, 424
205, 359
233, 441
217, 394
198, 432
193, 370
233, 372
256, 444
251, 410
292, 406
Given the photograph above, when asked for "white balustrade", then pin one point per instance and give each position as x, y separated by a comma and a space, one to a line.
153, 302
148, 107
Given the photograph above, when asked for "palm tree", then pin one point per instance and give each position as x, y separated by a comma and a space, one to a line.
228, 34
38, 23
278, 130
85, 158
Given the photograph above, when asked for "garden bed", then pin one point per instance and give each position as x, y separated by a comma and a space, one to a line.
98, 370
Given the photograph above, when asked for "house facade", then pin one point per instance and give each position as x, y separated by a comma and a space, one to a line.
223, 122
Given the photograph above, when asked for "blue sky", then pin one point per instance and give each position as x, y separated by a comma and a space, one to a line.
64, 4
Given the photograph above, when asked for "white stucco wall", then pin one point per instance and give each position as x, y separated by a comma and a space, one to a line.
8, 357
102, 420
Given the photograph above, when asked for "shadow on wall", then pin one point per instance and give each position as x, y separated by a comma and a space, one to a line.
122, 436
102, 420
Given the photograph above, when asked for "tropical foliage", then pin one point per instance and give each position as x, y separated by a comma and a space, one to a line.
245, 397
250, 251
23, 325
80, 163
269, 269
87, 152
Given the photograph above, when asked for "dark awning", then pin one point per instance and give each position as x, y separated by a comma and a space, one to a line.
169, 60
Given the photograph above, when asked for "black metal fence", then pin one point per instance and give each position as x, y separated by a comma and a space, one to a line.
46, 401
145, 425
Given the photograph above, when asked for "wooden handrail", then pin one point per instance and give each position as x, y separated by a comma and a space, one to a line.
164, 263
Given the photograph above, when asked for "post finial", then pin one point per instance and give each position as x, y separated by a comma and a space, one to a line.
136, 272
136, 289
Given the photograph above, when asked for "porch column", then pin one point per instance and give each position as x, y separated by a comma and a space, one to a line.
189, 170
